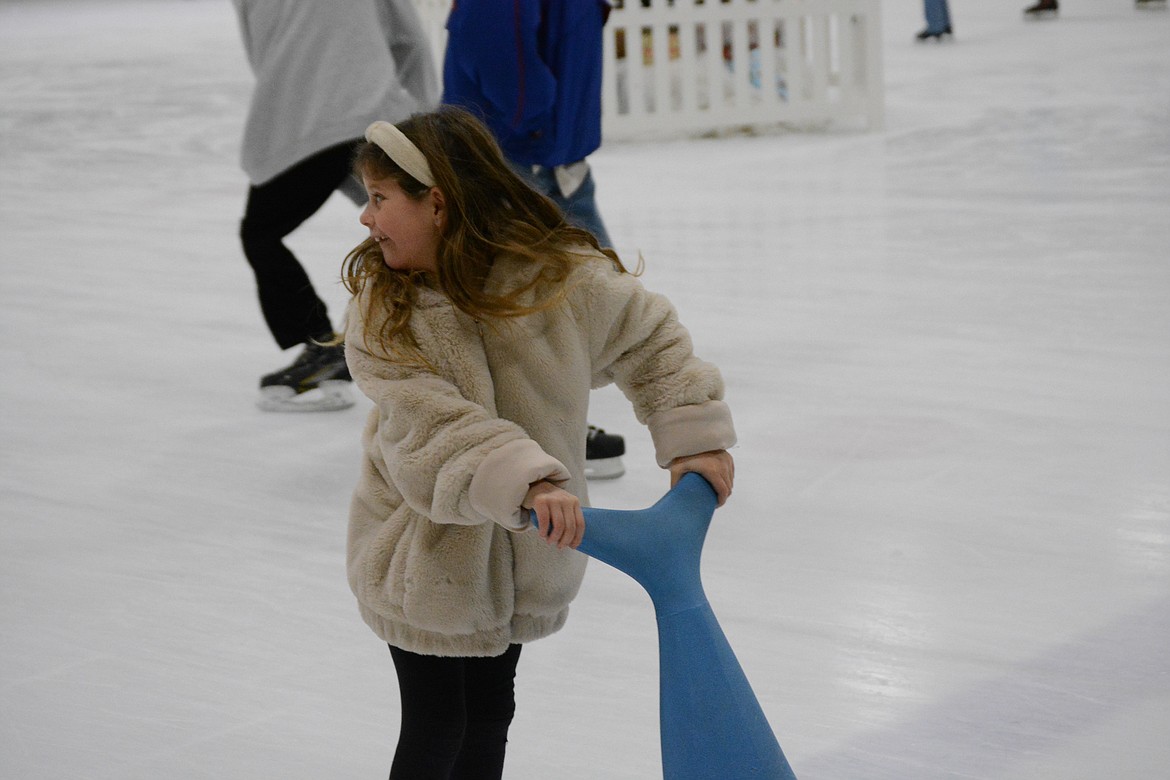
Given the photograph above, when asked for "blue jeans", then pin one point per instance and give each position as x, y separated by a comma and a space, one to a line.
580, 208
938, 17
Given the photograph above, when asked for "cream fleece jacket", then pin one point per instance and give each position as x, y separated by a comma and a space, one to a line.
440, 555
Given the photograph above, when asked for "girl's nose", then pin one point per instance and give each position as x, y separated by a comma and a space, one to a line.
365, 218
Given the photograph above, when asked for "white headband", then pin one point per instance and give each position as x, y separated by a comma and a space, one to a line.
401, 150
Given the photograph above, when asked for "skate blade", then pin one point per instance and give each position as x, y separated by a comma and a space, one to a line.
604, 468
330, 396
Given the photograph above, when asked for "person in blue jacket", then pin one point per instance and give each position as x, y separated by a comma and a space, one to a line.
531, 70
532, 73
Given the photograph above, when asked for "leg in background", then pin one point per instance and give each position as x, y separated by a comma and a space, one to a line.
580, 207
938, 16
938, 20
291, 307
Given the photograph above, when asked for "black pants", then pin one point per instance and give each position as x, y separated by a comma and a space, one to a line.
291, 307
455, 715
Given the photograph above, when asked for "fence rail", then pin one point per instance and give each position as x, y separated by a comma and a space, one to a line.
692, 67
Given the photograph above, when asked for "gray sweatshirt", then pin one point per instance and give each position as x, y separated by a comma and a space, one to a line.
324, 71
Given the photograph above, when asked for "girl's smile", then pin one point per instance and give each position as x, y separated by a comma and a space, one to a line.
406, 229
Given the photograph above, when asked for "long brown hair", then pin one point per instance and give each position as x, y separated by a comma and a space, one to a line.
491, 211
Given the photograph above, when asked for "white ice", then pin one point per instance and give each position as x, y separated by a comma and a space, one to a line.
946, 344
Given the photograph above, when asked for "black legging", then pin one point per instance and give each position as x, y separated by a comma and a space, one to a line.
291, 307
455, 715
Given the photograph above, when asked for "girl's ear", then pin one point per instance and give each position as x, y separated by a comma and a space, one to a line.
440, 207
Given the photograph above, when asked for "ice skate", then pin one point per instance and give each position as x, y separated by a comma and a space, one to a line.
317, 381
1159, 5
1042, 10
927, 35
603, 454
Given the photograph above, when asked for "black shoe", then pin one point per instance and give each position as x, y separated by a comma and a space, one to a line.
603, 454
317, 363
1042, 9
926, 35
317, 381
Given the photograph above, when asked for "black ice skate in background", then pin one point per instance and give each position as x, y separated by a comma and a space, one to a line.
317, 381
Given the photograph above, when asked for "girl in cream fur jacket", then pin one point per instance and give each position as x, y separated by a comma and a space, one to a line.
479, 324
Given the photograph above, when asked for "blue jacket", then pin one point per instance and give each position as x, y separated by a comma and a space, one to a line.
531, 69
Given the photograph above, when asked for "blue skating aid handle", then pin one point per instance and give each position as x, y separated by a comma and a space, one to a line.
712, 726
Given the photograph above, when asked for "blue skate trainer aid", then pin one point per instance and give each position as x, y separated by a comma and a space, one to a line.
711, 722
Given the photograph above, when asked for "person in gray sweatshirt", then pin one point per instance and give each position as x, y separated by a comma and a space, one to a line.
324, 72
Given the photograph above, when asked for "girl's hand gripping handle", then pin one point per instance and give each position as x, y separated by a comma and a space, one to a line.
716, 466
558, 514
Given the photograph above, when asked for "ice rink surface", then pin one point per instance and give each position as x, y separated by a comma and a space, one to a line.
946, 344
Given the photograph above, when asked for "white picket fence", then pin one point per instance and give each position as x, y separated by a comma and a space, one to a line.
695, 67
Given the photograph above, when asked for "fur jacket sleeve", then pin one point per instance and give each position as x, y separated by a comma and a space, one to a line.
637, 342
